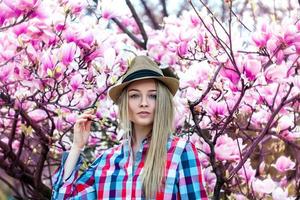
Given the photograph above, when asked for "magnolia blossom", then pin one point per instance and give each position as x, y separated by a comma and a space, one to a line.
209, 177
290, 135
15, 144
247, 173
281, 194
285, 122
38, 115
227, 149
266, 186
76, 81
68, 52
284, 164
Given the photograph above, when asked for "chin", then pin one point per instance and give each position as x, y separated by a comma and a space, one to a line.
143, 122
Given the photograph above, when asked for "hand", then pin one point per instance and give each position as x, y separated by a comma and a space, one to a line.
82, 129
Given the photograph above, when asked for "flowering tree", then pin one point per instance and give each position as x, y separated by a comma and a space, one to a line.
239, 97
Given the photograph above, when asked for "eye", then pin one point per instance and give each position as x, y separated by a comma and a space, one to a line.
153, 96
133, 96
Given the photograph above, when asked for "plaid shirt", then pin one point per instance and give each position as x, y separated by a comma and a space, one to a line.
113, 175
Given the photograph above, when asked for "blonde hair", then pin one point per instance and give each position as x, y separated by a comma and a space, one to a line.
154, 167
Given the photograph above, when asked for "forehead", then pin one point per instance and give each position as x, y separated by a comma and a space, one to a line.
145, 84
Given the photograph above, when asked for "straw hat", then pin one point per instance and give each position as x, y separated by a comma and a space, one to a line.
140, 68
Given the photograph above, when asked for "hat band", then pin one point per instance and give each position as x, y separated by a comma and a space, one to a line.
140, 74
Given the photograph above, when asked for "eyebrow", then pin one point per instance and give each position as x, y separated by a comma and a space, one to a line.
139, 90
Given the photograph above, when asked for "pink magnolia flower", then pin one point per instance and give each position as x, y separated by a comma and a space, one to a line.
284, 164
261, 37
108, 9
210, 178
252, 68
76, 81
68, 52
76, 6
71, 117
20, 28
227, 149
285, 122
266, 186
276, 73
228, 71
280, 194
260, 118
15, 144
247, 173
217, 109
58, 123
6, 13
182, 48
290, 136
48, 61
38, 115
5, 73
85, 40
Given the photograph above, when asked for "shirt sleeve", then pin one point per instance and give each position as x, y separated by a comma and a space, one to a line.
74, 187
191, 183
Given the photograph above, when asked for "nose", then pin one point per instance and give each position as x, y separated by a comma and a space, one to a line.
144, 102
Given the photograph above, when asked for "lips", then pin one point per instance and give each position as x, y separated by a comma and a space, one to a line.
143, 114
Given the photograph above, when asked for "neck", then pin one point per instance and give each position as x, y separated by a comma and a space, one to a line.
140, 133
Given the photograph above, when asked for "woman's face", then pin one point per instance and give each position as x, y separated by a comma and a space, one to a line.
141, 102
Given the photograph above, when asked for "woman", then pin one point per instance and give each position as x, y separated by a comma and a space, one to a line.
150, 163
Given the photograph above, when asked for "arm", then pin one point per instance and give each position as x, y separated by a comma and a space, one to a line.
81, 135
65, 183
190, 175
74, 187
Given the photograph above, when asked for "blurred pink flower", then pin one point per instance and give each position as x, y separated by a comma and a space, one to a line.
75, 6
108, 10
182, 48
280, 194
15, 144
261, 37
68, 52
48, 61
227, 149
285, 122
276, 73
247, 173
5, 73
217, 109
290, 136
71, 117
284, 164
85, 40
38, 115
228, 71
76, 81
266, 186
58, 123
210, 178
20, 28
252, 68
260, 118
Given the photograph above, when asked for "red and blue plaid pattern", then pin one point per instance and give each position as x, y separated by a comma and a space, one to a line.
114, 175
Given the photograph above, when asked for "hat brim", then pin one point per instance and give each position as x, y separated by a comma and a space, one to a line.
116, 90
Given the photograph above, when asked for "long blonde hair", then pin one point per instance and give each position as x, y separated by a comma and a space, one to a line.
154, 167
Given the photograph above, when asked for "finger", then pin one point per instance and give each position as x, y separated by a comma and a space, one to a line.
87, 116
79, 121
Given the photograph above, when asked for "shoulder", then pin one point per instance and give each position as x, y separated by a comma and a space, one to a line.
181, 146
181, 143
